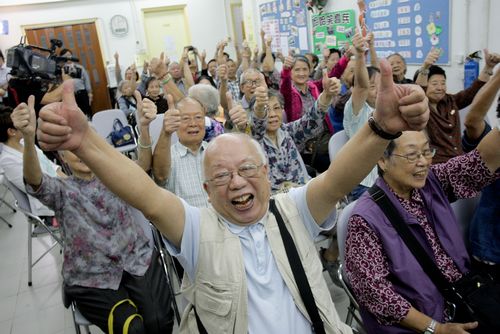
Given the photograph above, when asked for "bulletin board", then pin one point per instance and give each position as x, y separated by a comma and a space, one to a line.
286, 22
332, 29
410, 27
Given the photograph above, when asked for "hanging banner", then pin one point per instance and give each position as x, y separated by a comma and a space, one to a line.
333, 29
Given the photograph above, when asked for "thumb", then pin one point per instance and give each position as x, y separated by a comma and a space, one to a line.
162, 57
138, 100
229, 98
325, 74
170, 102
68, 94
486, 54
386, 80
31, 104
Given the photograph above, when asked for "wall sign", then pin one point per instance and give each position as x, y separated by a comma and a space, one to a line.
119, 25
333, 29
410, 28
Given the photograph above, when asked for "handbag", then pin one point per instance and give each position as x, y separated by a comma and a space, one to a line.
474, 297
121, 135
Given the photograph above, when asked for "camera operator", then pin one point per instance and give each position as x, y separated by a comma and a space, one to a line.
4, 70
81, 79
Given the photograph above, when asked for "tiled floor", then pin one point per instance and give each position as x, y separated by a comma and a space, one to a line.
39, 309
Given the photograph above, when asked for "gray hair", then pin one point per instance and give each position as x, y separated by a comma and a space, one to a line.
246, 72
255, 143
208, 96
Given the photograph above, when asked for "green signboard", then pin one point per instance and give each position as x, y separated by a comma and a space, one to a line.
332, 29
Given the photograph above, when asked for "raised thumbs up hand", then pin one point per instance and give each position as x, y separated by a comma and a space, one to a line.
399, 107
237, 114
146, 109
62, 125
172, 118
24, 118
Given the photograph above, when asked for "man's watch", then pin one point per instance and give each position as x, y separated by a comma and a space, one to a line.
431, 328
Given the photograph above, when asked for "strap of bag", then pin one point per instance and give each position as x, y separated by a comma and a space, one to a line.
117, 124
298, 272
425, 261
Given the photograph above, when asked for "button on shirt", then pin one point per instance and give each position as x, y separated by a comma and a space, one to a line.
271, 308
186, 177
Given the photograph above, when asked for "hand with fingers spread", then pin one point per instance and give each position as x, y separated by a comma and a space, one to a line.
399, 107
24, 118
237, 114
62, 125
146, 109
172, 118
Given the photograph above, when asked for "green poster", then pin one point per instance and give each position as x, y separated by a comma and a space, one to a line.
332, 29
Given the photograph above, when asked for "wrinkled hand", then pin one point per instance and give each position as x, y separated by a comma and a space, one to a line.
172, 118
237, 114
222, 72
455, 328
146, 109
24, 118
491, 59
158, 66
432, 57
289, 61
331, 86
359, 43
62, 125
399, 107
261, 98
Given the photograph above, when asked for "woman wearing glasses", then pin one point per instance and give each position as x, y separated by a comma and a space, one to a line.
394, 293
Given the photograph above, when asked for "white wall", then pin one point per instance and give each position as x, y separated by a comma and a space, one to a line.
207, 22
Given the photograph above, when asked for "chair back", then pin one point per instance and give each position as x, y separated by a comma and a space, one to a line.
464, 209
102, 122
155, 128
342, 229
21, 197
335, 143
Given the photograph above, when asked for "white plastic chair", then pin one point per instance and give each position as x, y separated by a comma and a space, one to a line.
3, 201
23, 206
102, 122
155, 128
335, 143
341, 238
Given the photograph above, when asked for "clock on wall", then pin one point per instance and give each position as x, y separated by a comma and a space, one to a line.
119, 25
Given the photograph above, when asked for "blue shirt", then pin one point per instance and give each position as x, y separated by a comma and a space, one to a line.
271, 308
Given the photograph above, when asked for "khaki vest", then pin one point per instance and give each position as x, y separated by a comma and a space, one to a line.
219, 291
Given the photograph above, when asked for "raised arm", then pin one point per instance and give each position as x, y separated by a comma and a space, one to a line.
186, 72
286, 88
398, 108
474, 120
118, 70
146, 112
268, 62
423, 73
161, 157
63, 126
160, 70
370, 39
24, 120
361, 80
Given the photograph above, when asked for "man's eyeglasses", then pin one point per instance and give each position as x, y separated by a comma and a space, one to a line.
414, 156
248, 170
189, 119
252, 83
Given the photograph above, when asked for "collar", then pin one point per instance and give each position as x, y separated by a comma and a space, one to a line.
183, 150
239, 229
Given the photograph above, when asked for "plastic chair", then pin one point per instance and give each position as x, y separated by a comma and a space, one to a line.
4, 202
341, 237
78, 319
23, 206
335, 143
155, 128
102, 122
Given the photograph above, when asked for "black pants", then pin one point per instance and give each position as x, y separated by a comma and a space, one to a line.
150, 293
82, 100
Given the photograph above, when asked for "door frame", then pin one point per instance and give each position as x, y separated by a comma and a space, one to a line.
162, 9
94, 20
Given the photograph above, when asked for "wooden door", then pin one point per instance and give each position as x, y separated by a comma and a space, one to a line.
83, 42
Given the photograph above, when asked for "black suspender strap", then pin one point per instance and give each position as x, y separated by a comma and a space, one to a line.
423, 258
298, 272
